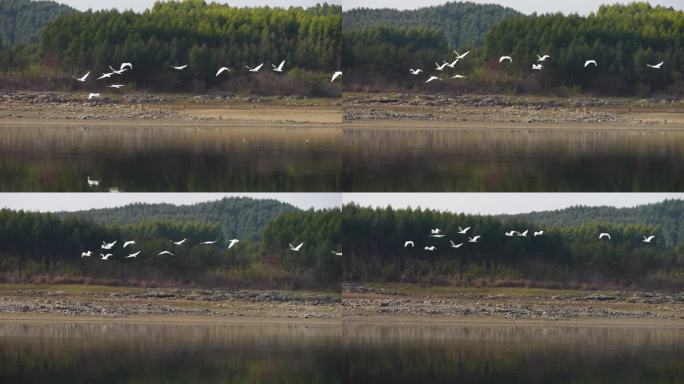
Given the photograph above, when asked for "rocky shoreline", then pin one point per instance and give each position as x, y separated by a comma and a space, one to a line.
495, 108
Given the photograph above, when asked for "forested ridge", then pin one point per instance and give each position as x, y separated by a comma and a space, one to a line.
21, 21
564, 256
461, 23
204, 36
623, 39
235, 217
41, 247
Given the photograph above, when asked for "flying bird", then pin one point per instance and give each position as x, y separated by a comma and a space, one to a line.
458, 77
453, 63
132, 255
435, 231
503, 58
463, 231
209, 242
432, 78
92, 183
335, 76
232, 242
279, 68
430, 248
165, 253
93, 96
409, 243
179, 67
221, 70
473, 239
336, 253
130, 242
657, 66
601, 236
461, 57
255, 69
542, 58
537, 67
538, 233
83, 78
416, 71
117, 72
648, 239
108, 245
179, 242
86, 254
106, 257
437, 236
590, 62
441, 67
297, 248
510, 233
126, 65
105, 76
523, 234
117, 86
454, 245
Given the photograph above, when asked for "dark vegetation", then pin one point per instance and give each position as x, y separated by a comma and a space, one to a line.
204, 36
622, 38
21, 21
46, 248
569, 255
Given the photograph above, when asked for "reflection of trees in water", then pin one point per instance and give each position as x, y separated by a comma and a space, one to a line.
521, 160
106, 352
171, 159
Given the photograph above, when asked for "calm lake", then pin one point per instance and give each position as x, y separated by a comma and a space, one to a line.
387, 159
164, 353
145, 158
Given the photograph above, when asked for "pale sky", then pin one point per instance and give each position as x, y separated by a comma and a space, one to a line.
525, 6
503, 203
50, 202
140, 5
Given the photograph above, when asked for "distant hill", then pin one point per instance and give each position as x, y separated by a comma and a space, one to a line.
465, 24
21, 21
668, 215
237, 217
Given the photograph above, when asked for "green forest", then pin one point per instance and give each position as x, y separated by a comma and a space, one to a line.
204, 36
463, 24
21, 21
564, 256
623, 39
47, 248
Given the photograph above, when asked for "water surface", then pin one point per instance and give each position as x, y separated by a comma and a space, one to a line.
142, 158
497, 160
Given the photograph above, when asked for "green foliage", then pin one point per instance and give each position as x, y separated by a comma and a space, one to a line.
21, 21
207, 36
48, 246
463, 24
236, 217
374, 250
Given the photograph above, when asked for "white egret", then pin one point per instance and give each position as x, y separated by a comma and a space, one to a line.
537, 67
108, 245
441, 67
179, 67
458, 77
657, 66
117, 86
297, 248
416, 71
523, 234
86, 254
209, 242
336, 253
648, 239
335, 76
106, 257
538, 233
105, 76
461, 57
232, 242
126, 65
83, 78
93, 96
117, 72
179, 242
431, 248
92, 183
279, 68
127, 243
132, 255
432, 78
504, 58
221, 70
454, 245
435, 231
510, 233
165, 253
473, 239
409, 244
542, 58
602, 235
463, 231
255, 69
590, 62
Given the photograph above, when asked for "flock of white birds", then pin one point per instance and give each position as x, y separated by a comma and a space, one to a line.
129, 67
437, 233
538, 66
105, 247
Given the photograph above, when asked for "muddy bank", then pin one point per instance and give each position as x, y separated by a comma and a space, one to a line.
511, 109
75, 107
547, 305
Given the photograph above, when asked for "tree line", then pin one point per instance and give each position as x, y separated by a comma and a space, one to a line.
41, 247
374, 241
623, 39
